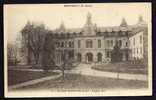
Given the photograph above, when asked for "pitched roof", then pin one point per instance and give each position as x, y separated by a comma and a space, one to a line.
133, 28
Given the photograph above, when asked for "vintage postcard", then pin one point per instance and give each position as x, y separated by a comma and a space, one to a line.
78, 49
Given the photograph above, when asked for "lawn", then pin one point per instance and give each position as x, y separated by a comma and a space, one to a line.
122, 68
57, 67
79, 82
16, 76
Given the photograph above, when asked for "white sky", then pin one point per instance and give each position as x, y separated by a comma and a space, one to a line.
108, 14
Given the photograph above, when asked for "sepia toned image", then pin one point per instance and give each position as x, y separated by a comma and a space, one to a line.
81, 49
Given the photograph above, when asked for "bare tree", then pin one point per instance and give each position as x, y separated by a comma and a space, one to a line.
33, 39
48, 53
12, 54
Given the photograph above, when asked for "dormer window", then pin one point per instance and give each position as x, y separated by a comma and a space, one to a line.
80, 33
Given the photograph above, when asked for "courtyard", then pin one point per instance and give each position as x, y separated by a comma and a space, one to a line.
82, 77
78, 82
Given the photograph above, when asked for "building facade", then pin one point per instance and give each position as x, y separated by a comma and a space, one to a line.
95, 44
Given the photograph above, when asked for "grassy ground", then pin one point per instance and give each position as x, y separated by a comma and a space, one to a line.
69, 67
79, 82
122, 68
15, 77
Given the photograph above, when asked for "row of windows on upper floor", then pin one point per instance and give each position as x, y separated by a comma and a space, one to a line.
63, 44
109, 43
140, 40
89, 43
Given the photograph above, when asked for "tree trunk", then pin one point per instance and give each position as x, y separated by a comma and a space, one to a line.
36, 56
28, 57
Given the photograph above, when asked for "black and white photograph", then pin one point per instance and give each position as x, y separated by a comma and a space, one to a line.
78, 49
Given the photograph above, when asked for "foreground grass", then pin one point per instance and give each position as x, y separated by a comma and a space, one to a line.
122, 68
79, 82
16, 76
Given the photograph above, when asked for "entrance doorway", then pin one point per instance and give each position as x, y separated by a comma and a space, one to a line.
89, 57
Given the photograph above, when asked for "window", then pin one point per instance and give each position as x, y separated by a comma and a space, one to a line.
56, 44
79, 43
141, 50
89, 44
120, 42
99, 43
111, 42
70, 44
137, 50
73, 44
108, 54
140, 39
126, 44
119, 33
99, 56
66, 45
116, 42
134, 51
107, 43
62, 44
134, 41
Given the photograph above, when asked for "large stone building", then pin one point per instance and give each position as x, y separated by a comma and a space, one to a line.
95, 44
